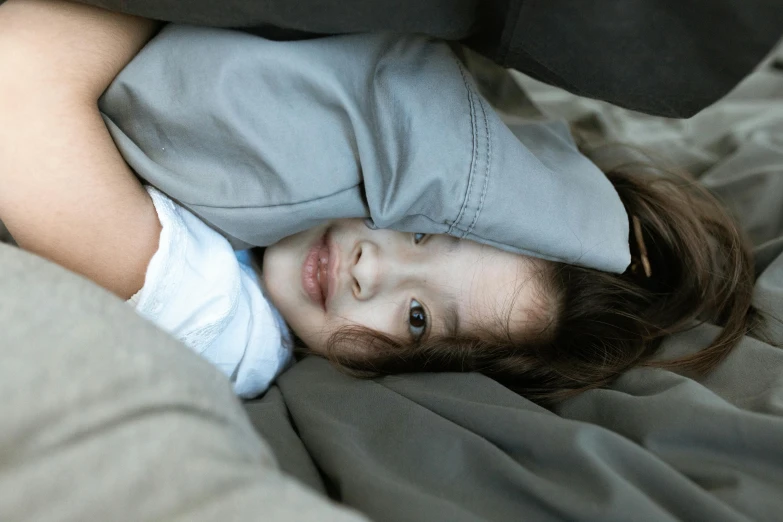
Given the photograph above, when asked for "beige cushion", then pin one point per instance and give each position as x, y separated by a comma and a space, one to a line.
104, 417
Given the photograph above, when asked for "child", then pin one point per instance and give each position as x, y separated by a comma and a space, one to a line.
374, 301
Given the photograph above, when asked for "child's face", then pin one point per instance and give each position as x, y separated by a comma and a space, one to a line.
404, 285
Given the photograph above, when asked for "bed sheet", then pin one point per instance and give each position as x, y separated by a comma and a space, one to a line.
656, 446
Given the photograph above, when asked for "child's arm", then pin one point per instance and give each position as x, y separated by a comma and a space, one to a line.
65, 191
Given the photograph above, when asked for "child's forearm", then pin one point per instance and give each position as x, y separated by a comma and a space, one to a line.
65, 191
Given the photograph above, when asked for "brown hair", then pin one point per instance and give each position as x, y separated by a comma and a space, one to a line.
603, 324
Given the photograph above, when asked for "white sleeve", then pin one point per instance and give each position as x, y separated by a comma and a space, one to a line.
197, 290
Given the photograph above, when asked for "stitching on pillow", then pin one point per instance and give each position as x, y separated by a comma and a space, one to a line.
454, 225
486, 173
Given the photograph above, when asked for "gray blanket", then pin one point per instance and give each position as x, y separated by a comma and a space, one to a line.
656, 446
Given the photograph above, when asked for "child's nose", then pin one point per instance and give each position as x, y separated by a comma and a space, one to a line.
365, 270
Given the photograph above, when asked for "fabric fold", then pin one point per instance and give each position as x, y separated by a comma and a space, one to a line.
263, 139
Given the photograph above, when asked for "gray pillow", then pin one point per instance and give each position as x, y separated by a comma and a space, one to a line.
264, 139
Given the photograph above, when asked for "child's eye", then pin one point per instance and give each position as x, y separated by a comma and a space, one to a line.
417, 320
418, 237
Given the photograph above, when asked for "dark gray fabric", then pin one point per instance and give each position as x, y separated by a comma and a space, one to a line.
670, 58
656, 446
270, 418
447, 19
662, 57
455, 447
264, 139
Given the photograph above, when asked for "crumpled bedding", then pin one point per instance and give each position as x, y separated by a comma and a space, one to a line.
655, 446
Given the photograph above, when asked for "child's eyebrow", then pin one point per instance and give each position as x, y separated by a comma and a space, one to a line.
450, 309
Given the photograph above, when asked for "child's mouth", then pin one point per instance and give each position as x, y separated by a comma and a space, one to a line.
315, 272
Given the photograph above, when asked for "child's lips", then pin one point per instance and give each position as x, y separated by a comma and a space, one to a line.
319, 271
330, 262
323, 271
312, 272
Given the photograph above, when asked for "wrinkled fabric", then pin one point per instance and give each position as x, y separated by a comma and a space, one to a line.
199, 291
655, 446
655, 56
265, 139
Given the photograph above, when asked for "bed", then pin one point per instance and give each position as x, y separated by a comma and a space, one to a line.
460, 447
656, 446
